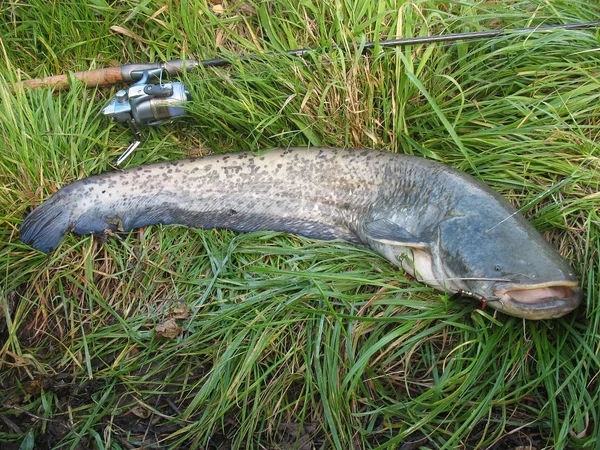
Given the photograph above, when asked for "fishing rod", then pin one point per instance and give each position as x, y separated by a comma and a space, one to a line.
150, 101
134, 72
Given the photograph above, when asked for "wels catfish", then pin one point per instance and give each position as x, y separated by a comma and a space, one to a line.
444, 227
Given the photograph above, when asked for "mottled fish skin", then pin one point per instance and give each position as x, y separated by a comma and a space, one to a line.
441, 225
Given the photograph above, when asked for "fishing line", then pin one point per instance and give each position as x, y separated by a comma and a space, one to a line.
426, 280
553, 188
444, 41
403, 42
534, 200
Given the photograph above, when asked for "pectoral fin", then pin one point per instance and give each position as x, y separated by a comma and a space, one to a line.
387, 232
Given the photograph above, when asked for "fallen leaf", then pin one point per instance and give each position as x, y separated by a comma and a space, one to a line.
181, 311
168, 329
126, 32
142, 413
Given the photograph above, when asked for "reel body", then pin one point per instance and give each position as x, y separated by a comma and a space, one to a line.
148, 104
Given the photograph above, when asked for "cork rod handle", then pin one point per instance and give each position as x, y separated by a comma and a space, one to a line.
92, 78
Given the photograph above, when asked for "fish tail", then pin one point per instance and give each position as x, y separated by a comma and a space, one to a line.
46, 225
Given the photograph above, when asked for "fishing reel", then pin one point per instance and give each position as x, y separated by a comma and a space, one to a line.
145, 103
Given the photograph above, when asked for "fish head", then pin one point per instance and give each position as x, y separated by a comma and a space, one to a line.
504, 261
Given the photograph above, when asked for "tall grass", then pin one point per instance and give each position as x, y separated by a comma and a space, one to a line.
178, 338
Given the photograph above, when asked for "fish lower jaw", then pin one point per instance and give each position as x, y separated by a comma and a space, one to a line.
545, 301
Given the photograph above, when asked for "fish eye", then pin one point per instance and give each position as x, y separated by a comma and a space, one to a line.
497, 268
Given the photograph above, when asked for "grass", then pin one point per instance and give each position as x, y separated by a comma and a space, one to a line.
178, 338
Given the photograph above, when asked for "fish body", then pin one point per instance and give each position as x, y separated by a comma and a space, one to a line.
441, 225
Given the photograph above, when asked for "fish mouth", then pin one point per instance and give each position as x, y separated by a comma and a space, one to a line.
539, 301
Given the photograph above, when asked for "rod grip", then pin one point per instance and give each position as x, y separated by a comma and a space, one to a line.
92, 78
